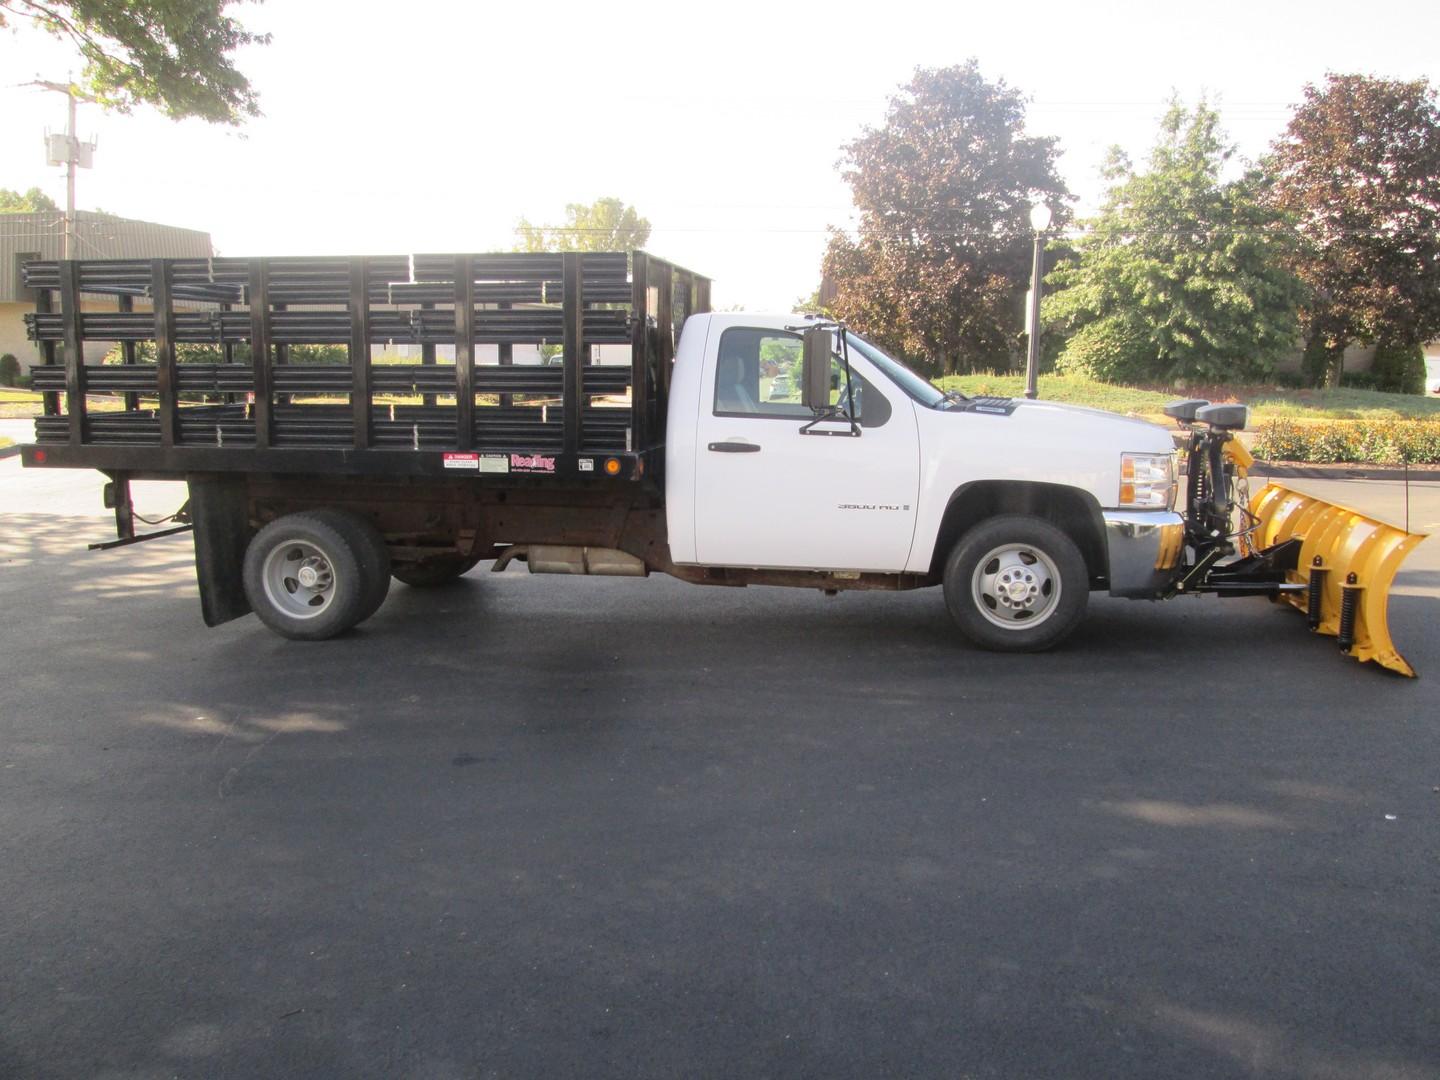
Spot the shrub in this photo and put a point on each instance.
(1318, 359)
(1399, 369)
(9, 370)
(1360, 380)
(1110, 349)
(1377, 442)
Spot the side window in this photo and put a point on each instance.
(759, 374)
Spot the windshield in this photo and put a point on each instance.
(917, 387)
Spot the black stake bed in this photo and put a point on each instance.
(169, 408)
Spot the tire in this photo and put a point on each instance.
(432, 572)
(377, 566)
(307, 575)
(1016, 584)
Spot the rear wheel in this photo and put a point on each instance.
(307, 575)
(1016, 584)
(377, 555)
(431, 572)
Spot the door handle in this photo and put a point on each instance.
(735, 447)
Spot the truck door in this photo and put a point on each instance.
(768, 495)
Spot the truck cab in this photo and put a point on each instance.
(895, 473)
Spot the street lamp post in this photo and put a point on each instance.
(1039, 221)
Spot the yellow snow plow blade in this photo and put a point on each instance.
(1347, 563)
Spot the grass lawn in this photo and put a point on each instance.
(1266, 402)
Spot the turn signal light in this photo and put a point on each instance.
(612, 466)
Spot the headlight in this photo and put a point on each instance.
(1147, 481)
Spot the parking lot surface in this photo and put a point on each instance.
(529, 826)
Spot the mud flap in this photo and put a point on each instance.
(222, 530)
(1347, 563)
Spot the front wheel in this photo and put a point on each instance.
(1016, 584)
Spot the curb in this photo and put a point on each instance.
(1420, 474)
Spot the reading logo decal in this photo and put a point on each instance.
(532, 463)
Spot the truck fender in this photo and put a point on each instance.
(1074, 510)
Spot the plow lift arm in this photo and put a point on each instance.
(1331, 562)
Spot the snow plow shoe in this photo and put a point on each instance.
(1347, 563)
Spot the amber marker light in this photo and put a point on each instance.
(612, 466)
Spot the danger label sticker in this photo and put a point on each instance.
(462, 461)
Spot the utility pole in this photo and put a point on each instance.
(72, 153)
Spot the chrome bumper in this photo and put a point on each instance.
(1145, 549)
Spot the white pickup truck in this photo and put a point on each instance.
(1020, 508)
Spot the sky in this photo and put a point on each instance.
(434, 126)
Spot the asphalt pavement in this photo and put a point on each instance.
(551, 827)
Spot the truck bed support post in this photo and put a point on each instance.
(464, 352)
(221, 519)
(574, 337)
(50, 401)
(360, 351)
(74, 350)
(126, 303)
(161, 277)
(506, 351)
(639, 348)
(260, 349)
(427, 358)
(665, 317)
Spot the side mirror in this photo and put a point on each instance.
(815, 385)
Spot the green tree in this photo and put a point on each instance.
(1359, 168)
(25, 202)
(941, 257)
(607, 224)
(176, 55)
(1178, 276)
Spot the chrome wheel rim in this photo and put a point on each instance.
(1016, 586)
(299, 579)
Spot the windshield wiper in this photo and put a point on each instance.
(955, 395)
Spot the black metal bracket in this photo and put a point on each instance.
(1262, 574)
(126, 541)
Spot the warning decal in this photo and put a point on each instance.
(532, 463)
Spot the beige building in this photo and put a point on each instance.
(24, 237)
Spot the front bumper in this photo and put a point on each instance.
(1145, 548)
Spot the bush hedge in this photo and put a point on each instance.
(1374, 442)
(1399, 369)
